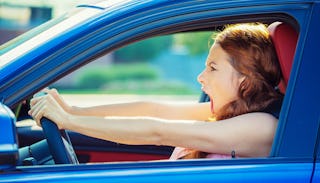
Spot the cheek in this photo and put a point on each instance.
(216, 86)
(234, 91)
(225, 87)
(220, 85)
(235, 83)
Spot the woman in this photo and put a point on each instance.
(240, 75)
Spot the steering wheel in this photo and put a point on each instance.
(59, 143)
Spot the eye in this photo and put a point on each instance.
(212, 68)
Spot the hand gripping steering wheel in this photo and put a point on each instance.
(59, 142)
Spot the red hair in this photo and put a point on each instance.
(254, 57)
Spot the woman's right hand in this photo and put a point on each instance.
(55, 94)
(49, 106)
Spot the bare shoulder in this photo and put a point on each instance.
(254, 122)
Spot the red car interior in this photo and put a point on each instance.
(284, 38)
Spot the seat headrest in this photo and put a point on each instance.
(284, 38)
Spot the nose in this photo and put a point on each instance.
(200, 77)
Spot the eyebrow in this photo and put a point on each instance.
(210, 62)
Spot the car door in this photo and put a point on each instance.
(314, 39)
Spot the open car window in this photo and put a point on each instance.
(160, 68)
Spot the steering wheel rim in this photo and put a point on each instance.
(59, 143)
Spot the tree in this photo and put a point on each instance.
(197, 43)
(143, 51)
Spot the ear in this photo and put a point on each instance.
(238, 79)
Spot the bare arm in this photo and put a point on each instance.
(249, 134)
(195, 111)
(244, 134)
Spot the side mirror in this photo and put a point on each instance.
(8, 139)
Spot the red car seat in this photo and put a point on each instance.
(284, 38)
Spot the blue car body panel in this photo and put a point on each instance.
(163, 171)
(112, 25)
(8, 140)
(302, 94)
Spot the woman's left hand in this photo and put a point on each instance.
(47, 106)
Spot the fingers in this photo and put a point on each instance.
(38, 96)
(55, 94)
(50, 106)
(37, 109)
(52, 91)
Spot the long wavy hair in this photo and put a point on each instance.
(253, 55)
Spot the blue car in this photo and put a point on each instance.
(40, 57)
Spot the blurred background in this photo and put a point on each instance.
(166, 65)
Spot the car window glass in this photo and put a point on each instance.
(164, 68)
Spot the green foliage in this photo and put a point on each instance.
(137, 78)
(99, 77)
(195, 42)
(148, 87)
(143, 50)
